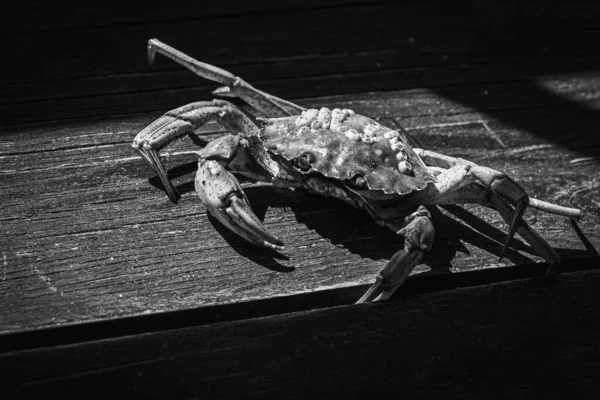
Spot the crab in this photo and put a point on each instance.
(333, 152)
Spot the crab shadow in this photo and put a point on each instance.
(261, 256)
(357, 232)
(354, 230)
(178, 175)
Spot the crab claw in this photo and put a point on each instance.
(222, 194)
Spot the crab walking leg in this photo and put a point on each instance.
(181, 121)
(441, 162)
(498, 182)
(476, 193)
(418, 232)
(265, 103)
(222, 195)
(571, 213)
(293, 108)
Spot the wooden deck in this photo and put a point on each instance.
(104, 279)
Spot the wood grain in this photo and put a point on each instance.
(86, 235)
(93, 62)
(524, 339)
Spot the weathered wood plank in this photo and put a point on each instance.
(86, 236)
(29, 16)
(392, 46)
(524, 339)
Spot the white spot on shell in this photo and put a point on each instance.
(337, 114)
(342, 129)
(400, 156)
(353, 135)
(315, 125)
(370, 129)
(368, 140)
(396, 144)
(404, 167)
(307, 117)
(324, 114)
(348, 111)
(311, 114)
(214, 168)
(303, 130)
(391, 134)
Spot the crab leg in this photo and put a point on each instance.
(498, 182)
(417, 230)
(235, 86)
(217, 189)
(456, 186)
(179, 122)
(442, 162)
(291, 108)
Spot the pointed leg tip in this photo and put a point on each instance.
(551, 270)
(373, 292)
(173, 195)
(275, 244)
(151, 51)
(241, 213)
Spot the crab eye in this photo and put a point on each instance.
(304, 160)
(359, 181)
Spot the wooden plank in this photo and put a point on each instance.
(524, 339)
(156, 93)
(87, 236)
(29, 16)
(94, 71)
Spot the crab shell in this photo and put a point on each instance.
(346, 147)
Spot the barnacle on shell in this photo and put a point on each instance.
(391, 134)
(370, 129)
(303, 130)
(388, 166)
(324, 115)
(306, 117)
(353, 135)
(368, 140)
(396, 144)
(404, 167)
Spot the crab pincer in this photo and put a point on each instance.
(223, 196)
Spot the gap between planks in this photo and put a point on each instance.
(163, 321)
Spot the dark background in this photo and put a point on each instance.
(87, 60)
